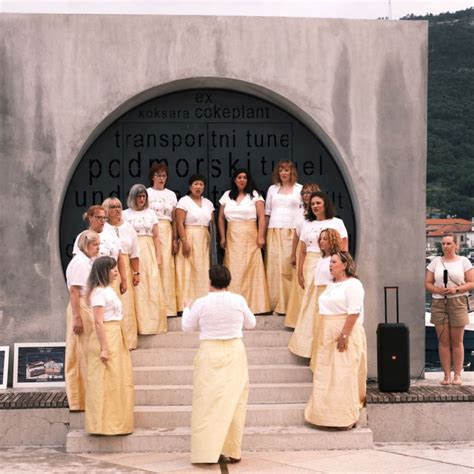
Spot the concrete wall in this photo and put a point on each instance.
(360, 85)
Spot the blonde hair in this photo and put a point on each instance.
(284, 164)
(86, 238)
(334, 239)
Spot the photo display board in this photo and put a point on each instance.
(208, 131)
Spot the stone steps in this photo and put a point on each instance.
(269, 321)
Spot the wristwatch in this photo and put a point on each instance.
(136, 273)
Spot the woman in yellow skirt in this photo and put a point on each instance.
(320, 215)
(163, 201)
(296, 292)
(339, 378)
(110, 390)
(243, 209)
(221, 379)
(281, 207)
(149, 295)
(193, 215)
(130, 253)
(79, 320)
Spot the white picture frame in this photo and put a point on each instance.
(39, 364)
(4, 360)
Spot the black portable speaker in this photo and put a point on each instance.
(393, 352)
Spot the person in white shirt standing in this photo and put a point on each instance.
(281, 206)
(221, 379)
(339, 378)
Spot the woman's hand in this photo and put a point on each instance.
(188, 302)
(222, 243)
(185, 248)
(342, 342)
(158, 259)
(136, 280)
(104, 355)
(448, 291)
(78, 326)
(301, 280)
(260, 242)
(174, 247)
(293, 260)
(123, 287)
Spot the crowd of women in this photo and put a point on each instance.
(133, 269)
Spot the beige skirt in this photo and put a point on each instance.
(149, 299)
(244, 259)
(129, 321)
(316, 327)
(296, 295)
(110, 390)
(278, 267)
(76, 356)
(167, 268)
(220, 392)
(339, 379)
(192, 273)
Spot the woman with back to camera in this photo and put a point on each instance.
(281, 206)
(243, 208)
(79, 319)
(130, 252)
(221, 378)
(149, 297)
(163, 201)
(110, 390)
(296, 292)
(194, 214)
(320, 215)
(340, 367)
(450, 278)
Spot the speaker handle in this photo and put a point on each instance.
(385, 288)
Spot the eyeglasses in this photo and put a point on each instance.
(115, 206)
(141, 195)
(303, 193)
(100, 218)
(160, 176)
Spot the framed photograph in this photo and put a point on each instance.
(39, 364)
(4, 359)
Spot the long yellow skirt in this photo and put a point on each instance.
(129, 321)
(220, 392)
(316, 328)
(296, 295)
(192, 273)
(278, 267)
(149, 298)
(167, 268)
(76, 356)
(301, 341)
(244, 259)
(110, 390)
(339, 379)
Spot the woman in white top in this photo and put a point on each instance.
(339, 378)
(221, 378)
(110, 390)
(243, 209)
(79, 321)
(281, 207)
(450, 278)
(130, 252)
(296, 292)
(320, 215)
(193, 216)
(163, 201)
(149, 296)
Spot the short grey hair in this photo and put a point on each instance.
(135, 190)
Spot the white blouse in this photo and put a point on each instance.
(107, 298)
(142, 221)
(163, 202)
(456, 274)
(322, 275)
(299, 220)
(282, 208)
(312, 230)
(218, 315)
(78, 270)
(127, 237)
(109, 243)
(245, 210)
(196, 215)
(345, 297)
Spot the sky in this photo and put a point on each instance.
(368, 9)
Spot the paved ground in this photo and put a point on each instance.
(386, 458)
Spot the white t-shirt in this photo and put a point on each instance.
(196, 215)
(109, 243)
(299, 220)
(162, 202)
(282, 208)
(107, 298)
(78, 270)
(218, 315)
(312, 229)
(127, 237)
(456, 274)
(245, 210)
(322, 275)
(142, 221)
(345, 297)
